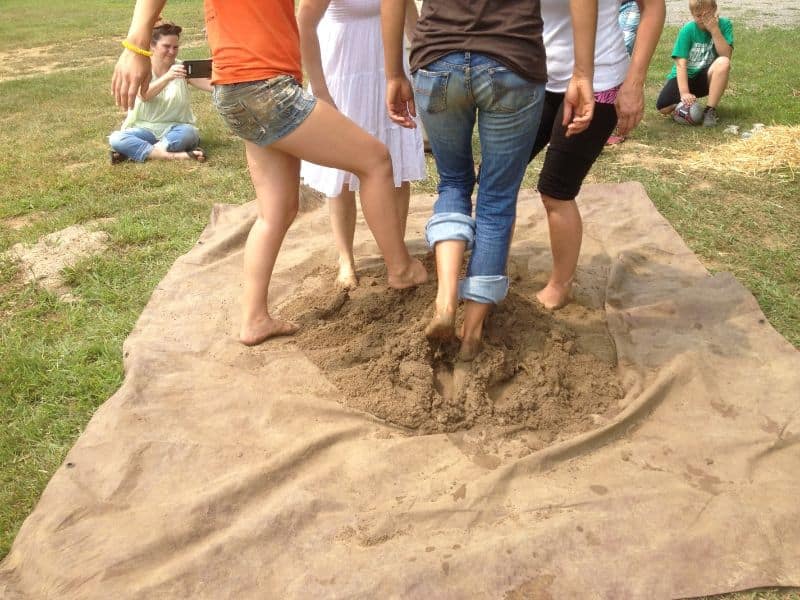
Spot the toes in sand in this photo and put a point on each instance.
(552, 298)
(256, 333)
(470, 348)
(347, 278)
(441, 327)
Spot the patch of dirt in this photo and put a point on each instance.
(536, 370)
(44, 261)
(22, 221)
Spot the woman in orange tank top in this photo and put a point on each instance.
(256, 51)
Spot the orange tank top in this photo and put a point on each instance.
(252, 40)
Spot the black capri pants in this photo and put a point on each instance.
(569, 159)
(670, 94)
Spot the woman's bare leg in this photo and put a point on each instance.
(276, 178)
(475, 314)
(328, 138)
(449, 258)
(566, 233)
(343, 224)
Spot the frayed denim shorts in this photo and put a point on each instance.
(263, 111)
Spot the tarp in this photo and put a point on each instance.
(220, 471)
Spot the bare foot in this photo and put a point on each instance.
(470, 348)
(347, 278)
(415, 274)
(554, 296)
(255, 333)
(442, 326)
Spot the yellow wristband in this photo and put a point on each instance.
(135, 49)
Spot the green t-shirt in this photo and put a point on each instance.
(170, 107)
(697, 46)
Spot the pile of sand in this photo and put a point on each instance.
(537, 371)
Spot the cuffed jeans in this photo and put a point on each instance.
(137, 143)
(450, 94)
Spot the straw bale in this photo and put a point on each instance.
(774, 150)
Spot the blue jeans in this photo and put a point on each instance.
(450, 93)
(137, 142)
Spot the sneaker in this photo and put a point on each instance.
(710, 118)
(116, 157)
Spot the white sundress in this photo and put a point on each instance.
(352, 61)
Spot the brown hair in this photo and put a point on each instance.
(699, 6)
(163, 28)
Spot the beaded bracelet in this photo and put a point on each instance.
(135, 49)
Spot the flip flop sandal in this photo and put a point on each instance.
(614, 140)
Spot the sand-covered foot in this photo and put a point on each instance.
(442, 326)
(347, 278)
(413, 275)
(255, 333)
(553, 297)
(470, 348)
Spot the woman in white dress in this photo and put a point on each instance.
(342, 50)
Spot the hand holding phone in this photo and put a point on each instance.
(197, 69)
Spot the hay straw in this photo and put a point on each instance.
(774, 150)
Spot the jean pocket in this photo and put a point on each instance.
(430, 90)
(510, 92)
(238, 118)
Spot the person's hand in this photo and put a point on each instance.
(131, 75)
(710, 21)
(578, 105)
(176, 71)
(630, 107)
(688, 99)
(400, 101)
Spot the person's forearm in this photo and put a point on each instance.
(650, 28)
(721, 45)
(145, 14)
(201, 83)
(392, 18)
(308, 17)
(411, 19)
(683, 78)
(156, 87)
(584, 30)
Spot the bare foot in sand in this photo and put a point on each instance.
(554, 296)
(415, 274)
(442, 326)
(470, 348)
(252, 334)
(347, 278)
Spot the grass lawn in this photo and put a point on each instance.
(59, 361)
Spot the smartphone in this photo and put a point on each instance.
(196, 69)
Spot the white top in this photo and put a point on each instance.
(352, 60)
(610, 57)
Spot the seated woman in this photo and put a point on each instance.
(161, 123)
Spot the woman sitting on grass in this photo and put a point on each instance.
(160, 126)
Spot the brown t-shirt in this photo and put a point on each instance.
(510, 31)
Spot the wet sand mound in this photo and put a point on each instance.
(539, 371)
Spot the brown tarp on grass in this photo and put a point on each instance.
(218, 471)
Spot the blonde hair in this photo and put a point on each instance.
(699, 6)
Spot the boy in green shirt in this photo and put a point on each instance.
(702, 55)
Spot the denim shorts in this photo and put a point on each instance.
(263, 111)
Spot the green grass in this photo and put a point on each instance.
(59, 361)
